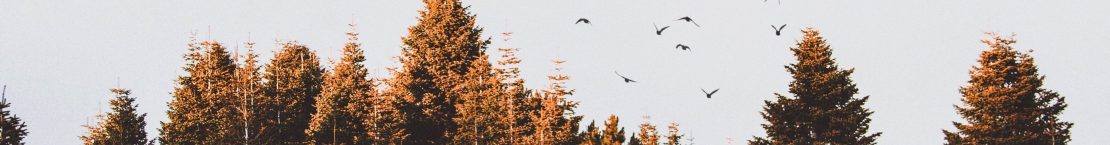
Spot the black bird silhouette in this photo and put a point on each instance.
(780, 1)
(688, 19)
(710, 94)
(778, 31)
(626, 79)
(681, 46)
(659, 31)
(583, 20)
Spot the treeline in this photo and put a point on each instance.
(447, 91)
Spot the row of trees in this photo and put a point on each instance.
(448, 92)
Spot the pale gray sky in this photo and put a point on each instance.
(59, 58)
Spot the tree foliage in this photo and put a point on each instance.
(437, 57)
(204, 106)
(122, 126)
(12, 129)
(293, 81)
(338, 115)
(1004, 102)
(823, 109)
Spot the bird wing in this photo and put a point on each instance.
(703, 91)
(664, 28)
(715, 91)
(783, 26)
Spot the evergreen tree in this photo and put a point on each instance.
(613, 134)
(481, 107)
(823, 109)
(384, 121)
(122, 126)
(1005, 104)
(293, 81)
(648, 134)
(255, 108)
(634, 140)
(553, 120)
(517, 106)
(204, 106)
(436, 57)
(592, 135)
(12, 129)
(673, 137)
(336, 120)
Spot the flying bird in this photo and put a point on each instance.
(778, 31)
(626, 79)
(583, 20)
(688, 19)
(659, 31)
(682, 46)
(710, 94)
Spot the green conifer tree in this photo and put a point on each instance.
(122, 126)
(1004, 102)
(823, 109)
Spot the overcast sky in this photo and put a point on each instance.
(59, 58)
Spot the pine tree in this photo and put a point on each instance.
(592, 135)
(293, 81)
(384, 121)
(517, 106)
(481, 107)
(634, 140)
(1005, 104)
(336, 120)
(648, 134)
(12, 129)
(436, 57)
(122, 126)
(204, 106)
(673, 137)
(613, 134)
(255, 109)
(823, 109)
(553, 119)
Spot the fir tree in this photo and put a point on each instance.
(648, 134)
(255, 109)
(436, 57)
(553, 120)
(336, 120)
(823, 109)
(634, 140)
(592, 135)
(293, 81)
(613, 134)
(517, 105)
(204, 106)
(481, 107)
(673, 137)
(122, 126)
(12, 129)
(1005, 104)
